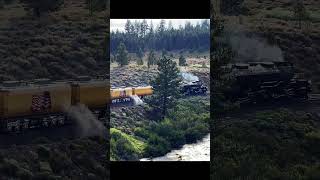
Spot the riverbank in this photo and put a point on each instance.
(199, 151)
(185, 124)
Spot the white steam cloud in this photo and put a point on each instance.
(249, 47)
(188, 77)
(87, 122)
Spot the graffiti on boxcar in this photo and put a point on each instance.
(41, 102)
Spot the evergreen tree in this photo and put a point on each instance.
(127, 27)
(140, 34)
(144, 27)
(166, 87)
(151, 58)
(162, 26)
(182, 61)
(151, 28)
(122, 55)
(140, 56)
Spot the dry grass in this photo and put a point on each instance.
(59, 45)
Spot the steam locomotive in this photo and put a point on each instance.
(44, 103)
(193, 88)
(255, 82)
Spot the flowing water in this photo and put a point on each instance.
(199, 151)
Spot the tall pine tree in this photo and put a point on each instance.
(182, 61)
(151, 58)
(166, 87)
(140, 56)
(122, 55)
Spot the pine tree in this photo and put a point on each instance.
(122, 55)
(141, 34)
(140, 56)
(182, 61)
(151, 58)
(162, 26)
(166, 87)
(127, 27)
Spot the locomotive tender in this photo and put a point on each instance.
(254, 82)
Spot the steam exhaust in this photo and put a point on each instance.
(136, 100)
(88, 124)
(188, 77)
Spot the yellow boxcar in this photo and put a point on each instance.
(34, 99)
(143, 91)
(118, 93)
(94, 94)
(115, 93)
(121, 93)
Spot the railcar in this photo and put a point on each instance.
(126, 95)
(44, 103)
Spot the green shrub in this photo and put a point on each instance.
(142, 133)
(125, 147)
(157, 146)
(195, 133)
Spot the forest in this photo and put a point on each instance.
(143, 35)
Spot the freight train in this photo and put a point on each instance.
(125, 95)
(44, 103)
(255, 82)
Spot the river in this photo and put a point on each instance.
(199, 151)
